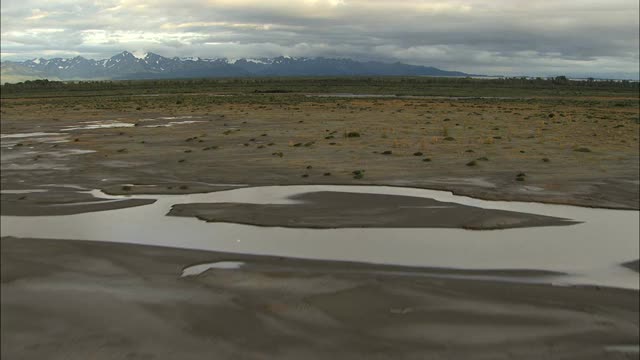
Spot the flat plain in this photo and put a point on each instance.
(492, 139)
(560, 142)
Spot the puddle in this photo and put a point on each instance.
(532, 188)
(76, 187)
(122, 164)
(170, 118)
(28, 191)
(38, 166)
(99, 125)
(27, 135)
(589, 253)
(629, 349)
(67, 152)
(176, 117)
(9, 141)
(47, 160)
(173, 123)
(200, 268)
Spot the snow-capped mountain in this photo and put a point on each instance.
(153, 66)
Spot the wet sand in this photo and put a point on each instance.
(329, 209)
(78, 300)
(61, 202)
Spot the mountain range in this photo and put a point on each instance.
(153, 66)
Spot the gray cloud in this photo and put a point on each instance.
(536, 37)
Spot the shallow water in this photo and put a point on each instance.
(27, 135)
(25, 191)
(200, 268)
(590, 252)
(48, 160)
(628, 349)
(99, 125)
(11, 140)
(174, 123)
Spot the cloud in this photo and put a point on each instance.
(537, 37)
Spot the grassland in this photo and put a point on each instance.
(567, 142)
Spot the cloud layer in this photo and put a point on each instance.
(512, 37)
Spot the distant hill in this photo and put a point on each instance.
(153, 66)
(11, 72)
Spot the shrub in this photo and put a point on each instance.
(358, 174)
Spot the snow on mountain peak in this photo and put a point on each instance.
(148, 64)
(143, 56)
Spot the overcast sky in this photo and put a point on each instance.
(511, 37)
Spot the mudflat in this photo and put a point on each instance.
(76, 299)
(332, 209)
(60, 201)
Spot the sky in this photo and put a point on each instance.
(496, 37)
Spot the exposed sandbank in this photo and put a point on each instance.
(330, 209)
(73, 299)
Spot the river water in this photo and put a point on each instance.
(589, 253)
